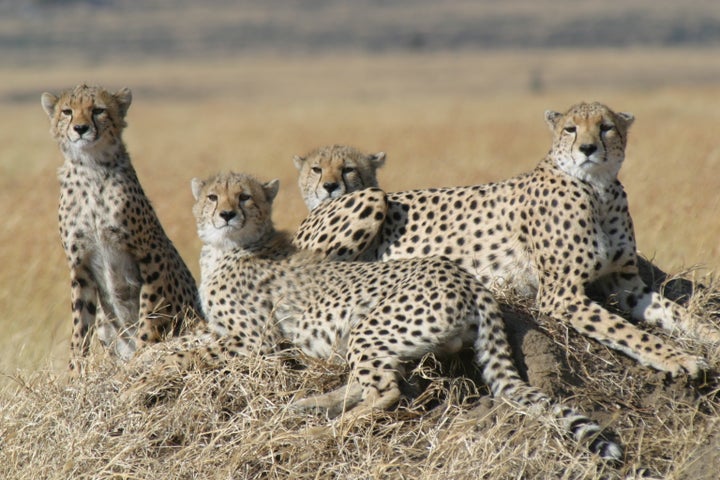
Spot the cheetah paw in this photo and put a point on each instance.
(693, 365)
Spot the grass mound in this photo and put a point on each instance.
(234, 421)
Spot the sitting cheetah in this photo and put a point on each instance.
(257, 293)
(120, 259)
(329, 172)
(548, 234)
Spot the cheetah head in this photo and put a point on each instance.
(85, 118)
(589, 141)
(233, 210)
(329, 172)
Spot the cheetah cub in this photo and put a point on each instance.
(328, 173)
(332, 171)
(256, 294)
(546, 234)
(127, 279)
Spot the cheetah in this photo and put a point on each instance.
(331, 171)
(547, 234)
(258, 293)
(128, 281)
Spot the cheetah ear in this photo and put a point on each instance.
(271, 189)
(48, 101)
(378, 160)
(196, 185)
(552, 117)
(626, 118)
(124, 99)
(298, 161)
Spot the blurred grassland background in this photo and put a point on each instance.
(453, 91)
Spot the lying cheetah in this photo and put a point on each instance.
(256, 294)
(548, 234)
(332, 171)
(120, 259)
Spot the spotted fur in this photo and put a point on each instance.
(546, 234)
(127, 279)
(331, 171)
(257, 293)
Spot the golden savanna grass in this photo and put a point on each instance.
(443, 120)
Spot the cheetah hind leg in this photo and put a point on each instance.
(493, 356)
(377, 389)
(349, 405)
(334, 402)
(344, 404)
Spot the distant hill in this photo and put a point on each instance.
(40, 30)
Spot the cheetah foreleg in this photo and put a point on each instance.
(121, 303)
(155, 318)
(592, 320)
(161, 367)
(84, 302)
(651, 307)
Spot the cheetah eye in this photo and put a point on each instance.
(212, 197)
(570, 129)
(98, 111)
(317, 170)
(606, 127)
(244, 197)
(67, 111)
(348, 170)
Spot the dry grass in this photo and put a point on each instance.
(233, 422)
(444, 119)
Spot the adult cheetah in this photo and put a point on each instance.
(127, 279)
(548, 234)
(257, 293)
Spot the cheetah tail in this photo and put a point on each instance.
(499, 372)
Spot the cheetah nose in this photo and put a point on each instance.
(330, 186)
(588, 149)
(227, 215)
(81, 129)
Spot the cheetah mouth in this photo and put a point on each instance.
(323, 194)
(228, 225)
(83, 140)
(589, 162)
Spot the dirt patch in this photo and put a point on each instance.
(704, 462)
(539, 359)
